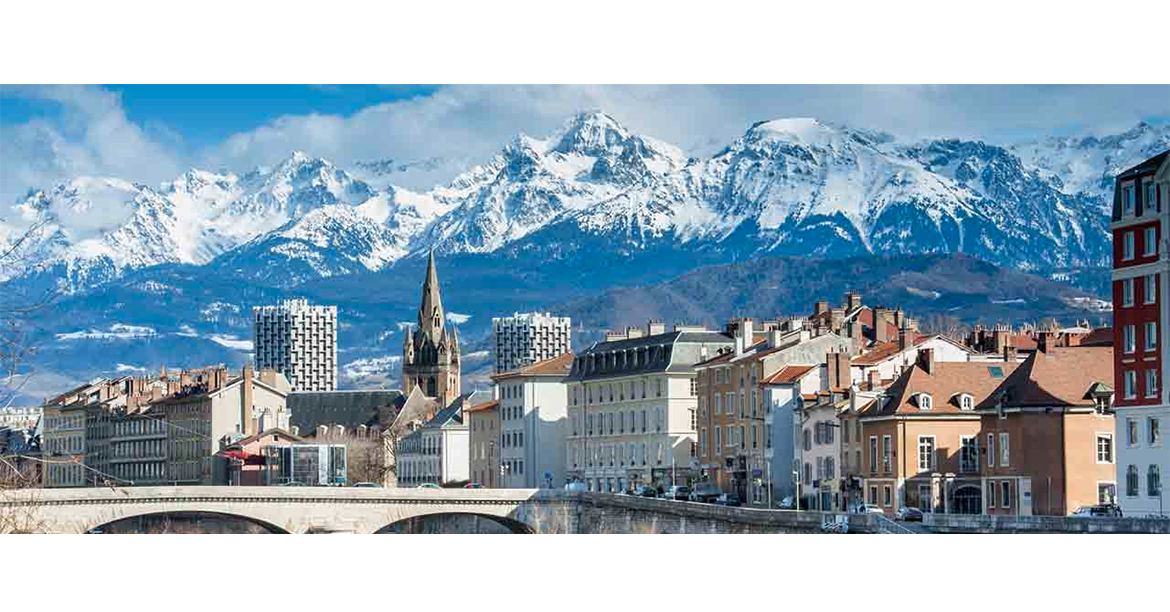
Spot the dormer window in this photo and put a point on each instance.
(965, 400)
(924, 401)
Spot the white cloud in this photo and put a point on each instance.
(91, 135)
(458, 318)
(473, 122)
(231, 342)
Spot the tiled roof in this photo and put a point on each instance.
(492, 405)
(1148, 165)
(884, 351)
(948, 380)
(1102, 336)
(788, 374)
(1060, 377)
(554, 366)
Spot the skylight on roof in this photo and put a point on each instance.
(995, 371)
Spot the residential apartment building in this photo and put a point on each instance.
(200, 417)
(632, 407)
(781, 395)
(20, 417)
(533, 415)
(1048, 433)
(819, 448)
(483, 423)
(299, 341)
(732, 419)
(526, 338)
(439, 451)
(1141, 271)
(922, 434)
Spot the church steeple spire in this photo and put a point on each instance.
(430, 312)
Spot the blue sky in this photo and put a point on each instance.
(152, 133)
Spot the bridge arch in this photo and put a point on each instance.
(170, 521)
(460, 522)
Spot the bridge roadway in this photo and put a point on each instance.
(373, 510)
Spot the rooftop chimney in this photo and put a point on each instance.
(633, 332)
(852, 301)
(838, 369)
(926, 360)
(820, 307)
(903, 337)
(874, 377)
(655, 327)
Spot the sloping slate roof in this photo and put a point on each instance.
(1060, 377)
(884, 351)
(948, 380)
(682, 349)
(349, 408)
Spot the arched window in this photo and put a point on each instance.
(924, 401)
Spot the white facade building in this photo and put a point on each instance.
(299, 341)
(526, 338)
(439, 452)
(533, 409)
(633, 407)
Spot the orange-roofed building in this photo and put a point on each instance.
(1048, 434)
(532, 407)
(921, 436)
(483, 421)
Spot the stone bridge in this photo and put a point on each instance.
(394, 510)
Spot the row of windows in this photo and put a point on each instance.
(1129, 193)
(1150, 380)
(619, 454)
(826, 470)
(1129, 337)
(618, 392)
(1004, 497)
(69, 421)
(512, 391)
(619, 425)
(1149, 290)
(1153, 432)
(1153, 481)
(1149, 243)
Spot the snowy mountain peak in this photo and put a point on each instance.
(591, 133)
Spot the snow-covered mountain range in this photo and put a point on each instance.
(787, 186)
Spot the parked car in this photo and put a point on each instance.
(367, 485)
(646, 491)
(867, 509)
(705, 493)
(909, 514)
(429, 485)
(680, 493)
(1099, 511)
(473, 485)
(788, 503)
(727, 499)
(293, 483)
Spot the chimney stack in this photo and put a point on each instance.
(820, 307)
(246, 409)
(874, 378)
(852, 301)
(903, 337)
(1009, 353)
(655, 327)
(926, 360)
(838, 364)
